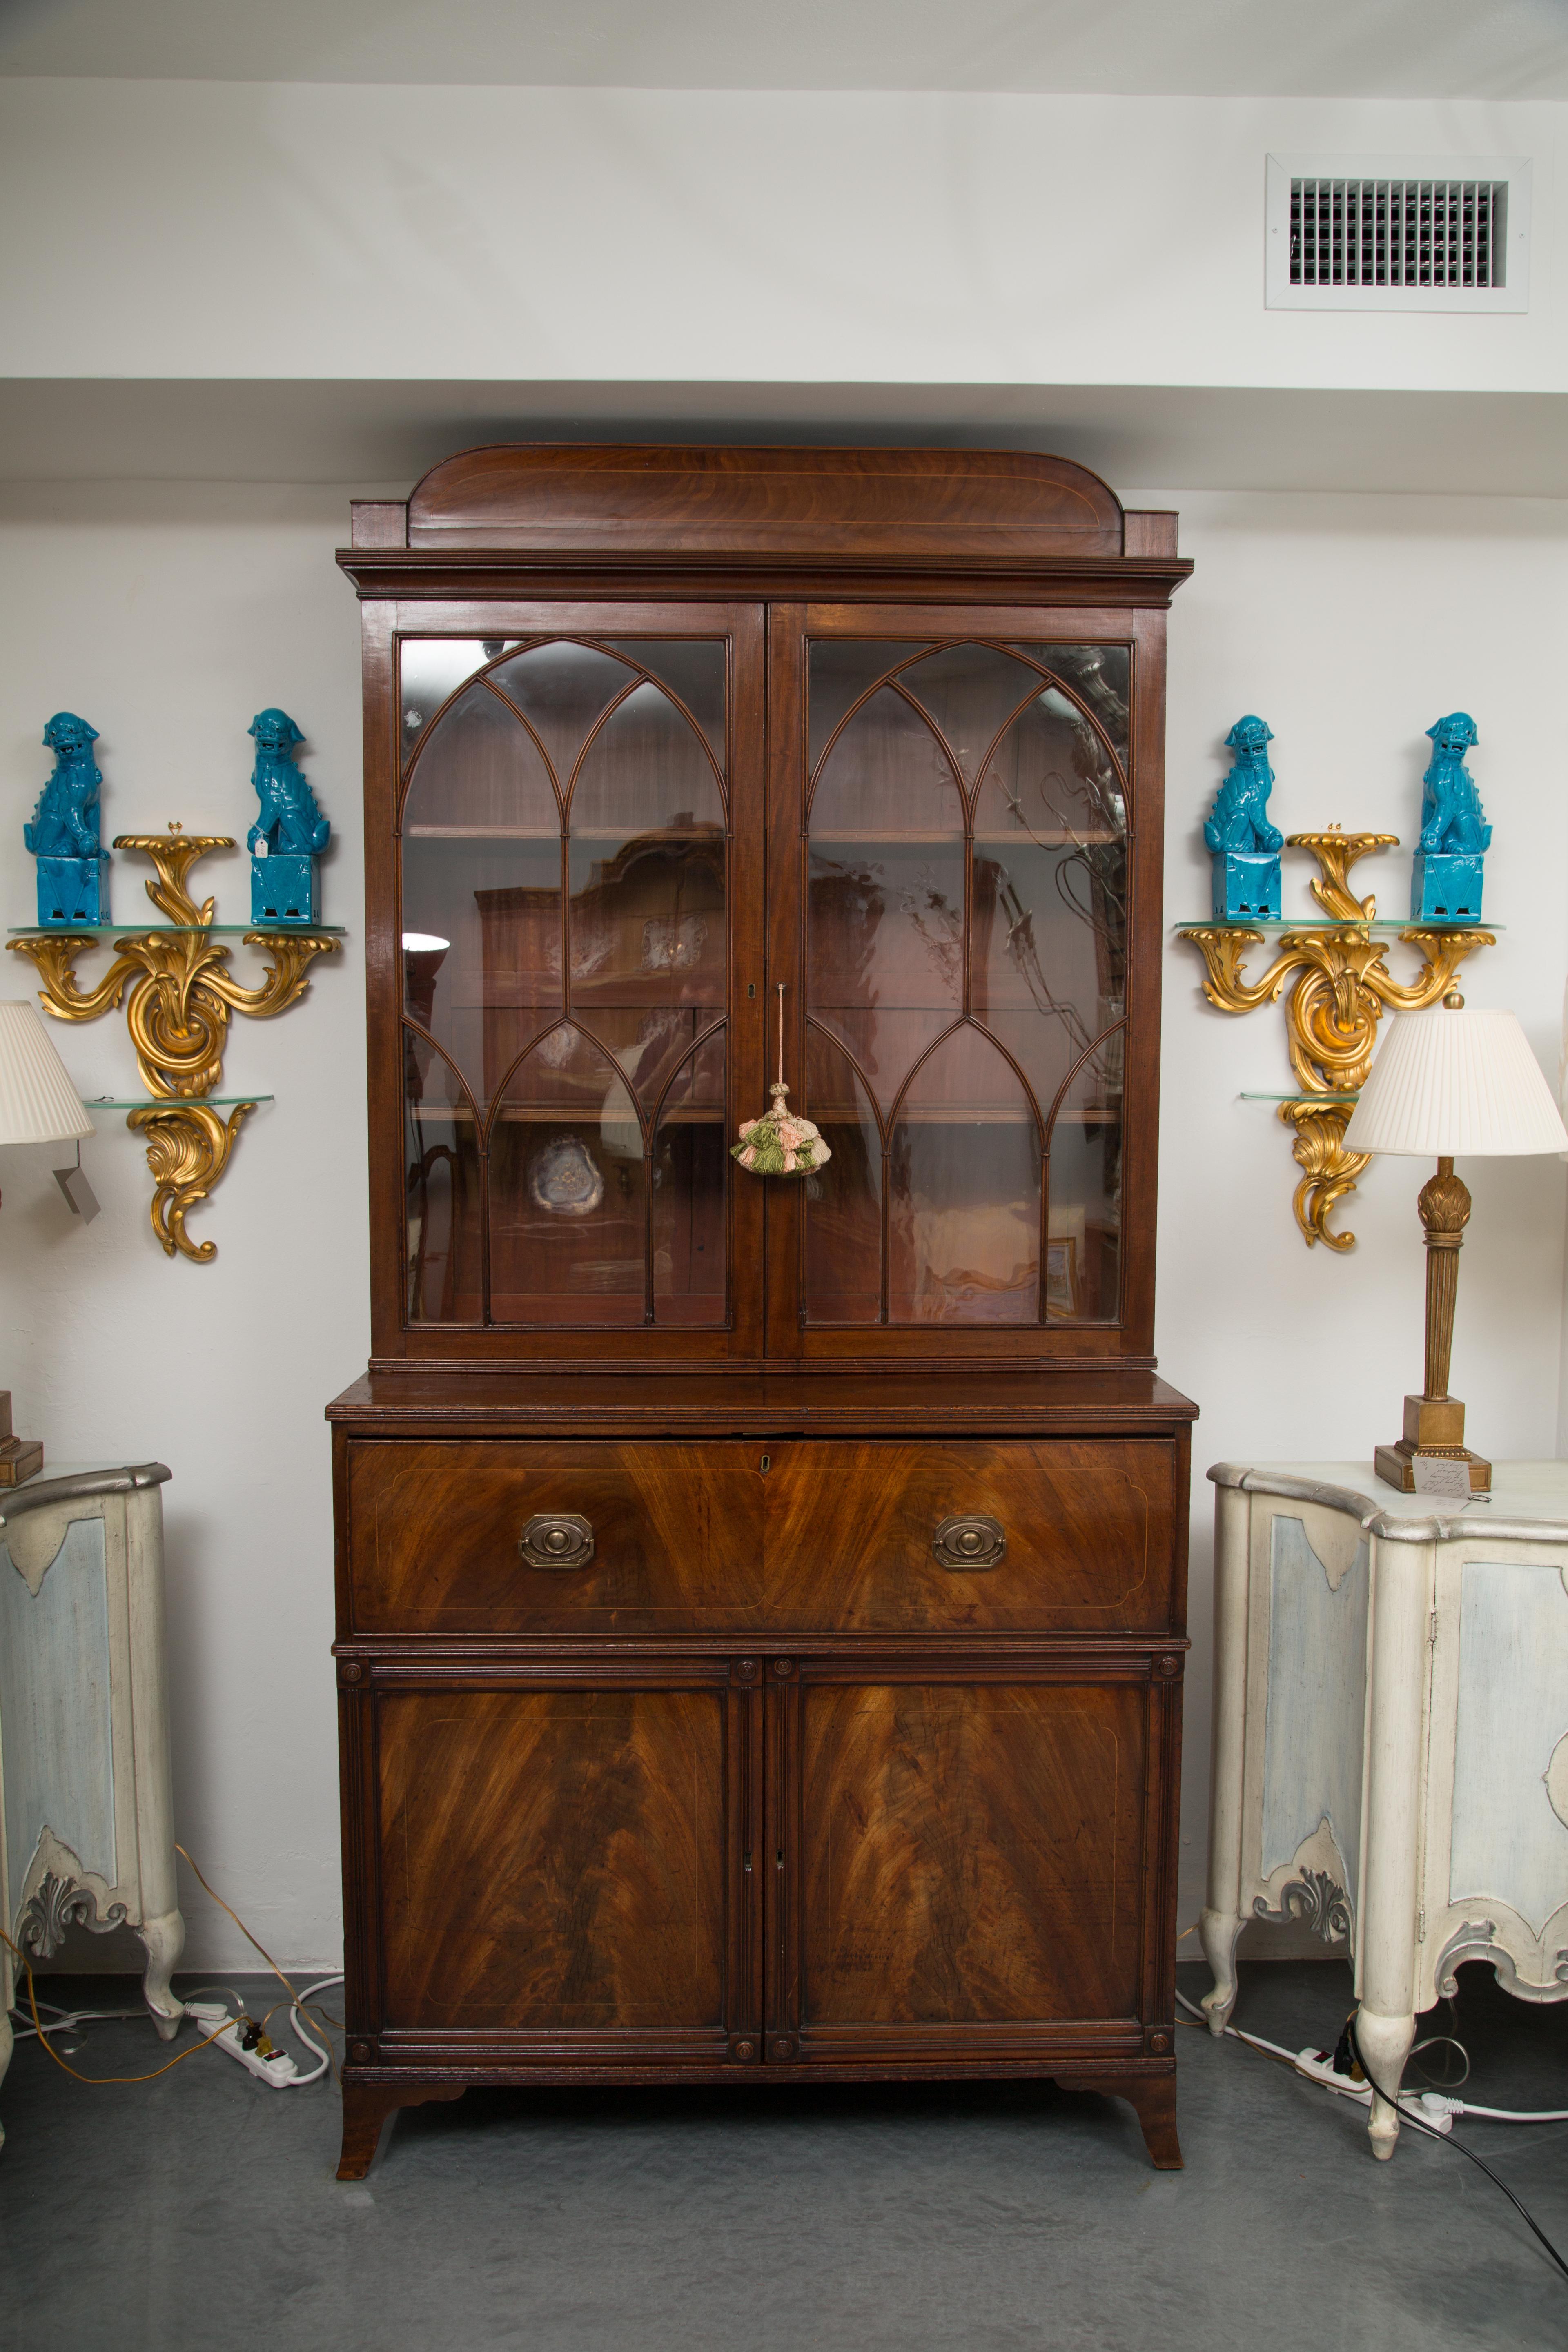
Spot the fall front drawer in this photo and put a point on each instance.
(498, 1536)
(494, 1536)
(1059, 1535)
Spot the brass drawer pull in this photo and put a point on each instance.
(557, 1539)
(970, 1541)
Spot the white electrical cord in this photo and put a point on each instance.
(317, 2050)
(191, 1990)
(1509, 2114)
(1435, 2100)
(63, 2021)
(1235, 2033)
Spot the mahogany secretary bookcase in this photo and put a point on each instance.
(761, 1601)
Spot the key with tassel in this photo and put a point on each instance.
(780, 1143)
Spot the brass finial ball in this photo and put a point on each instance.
(1454, 1000)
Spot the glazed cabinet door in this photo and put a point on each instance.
(964, 811)
(562, 1864)
(570, 816)
(967, 1857)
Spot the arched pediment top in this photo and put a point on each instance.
(665, 500)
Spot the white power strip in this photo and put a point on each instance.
(278, 2070)
(1428, 2107)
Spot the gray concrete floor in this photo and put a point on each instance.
(200, 2211)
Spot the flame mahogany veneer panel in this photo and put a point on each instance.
(1089, 1522)
(970, 1854)
(678, 1533)
(553, 1859)
(744, 501)
(834, 1538)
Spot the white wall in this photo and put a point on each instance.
(167, 615)
(1350, 624)
(167, 620)
(257, 230)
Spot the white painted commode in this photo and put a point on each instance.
(1391, 1735)
(86, 1814)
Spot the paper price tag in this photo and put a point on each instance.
(1435, 1475)
(83, 1200)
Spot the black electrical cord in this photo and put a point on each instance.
(1447, 2139)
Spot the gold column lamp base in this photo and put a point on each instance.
(1340, 986)
(181, 997)
(1435, 1422)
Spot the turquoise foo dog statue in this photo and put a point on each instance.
(73, 866)
(1446, 878)
(1245, 846)
(289, 830)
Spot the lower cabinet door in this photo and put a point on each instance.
(565, 1865)
(967, 1865)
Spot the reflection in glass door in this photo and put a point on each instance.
(565, 881)
(967, 980)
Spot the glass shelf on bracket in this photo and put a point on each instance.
(1331, 923)
(166, 1102)
(1246, 1095)
(140, 931)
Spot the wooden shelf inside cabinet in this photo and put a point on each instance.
(566, 1114)
(656, 836)
(1018, 837)
(689, 1514)
(563, 1114)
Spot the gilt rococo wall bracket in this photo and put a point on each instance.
(1339, 985)
(181, 999)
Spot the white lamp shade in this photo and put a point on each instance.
(1449, 1082)
(39, 1103)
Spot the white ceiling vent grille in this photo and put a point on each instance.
(1398, 233)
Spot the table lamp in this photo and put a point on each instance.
(1445, 1083)
(39, 1104)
